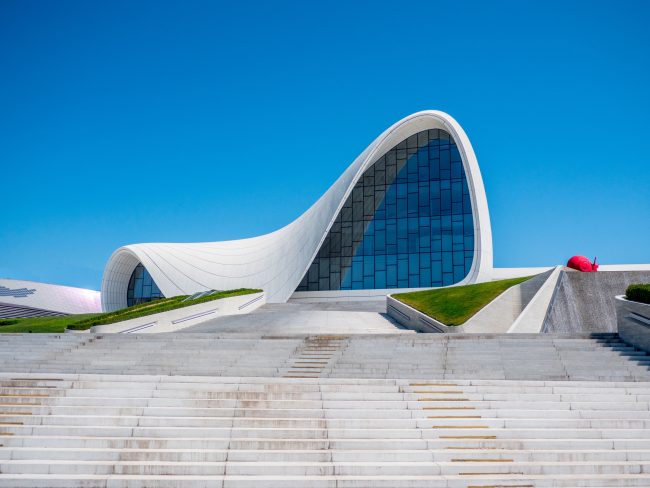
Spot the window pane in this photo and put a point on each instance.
(142, 287)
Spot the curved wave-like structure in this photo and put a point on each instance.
(19, 298)
(278, 261)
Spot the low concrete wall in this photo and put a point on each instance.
(584, 302)
(413, 319)
(633, 320)
(531, 319)
(181, 318)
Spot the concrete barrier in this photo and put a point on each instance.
(181, 318)
(584, 302)
(411, 318)
(531, 319)
(633, 321)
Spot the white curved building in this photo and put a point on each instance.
(409, 212)
(20, 298)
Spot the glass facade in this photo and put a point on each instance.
(142, 287)
(407, 223)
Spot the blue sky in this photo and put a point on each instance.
(125, 122)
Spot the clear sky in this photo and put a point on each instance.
(126, 122)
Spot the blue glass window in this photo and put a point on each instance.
(407, 222)
(142, 288)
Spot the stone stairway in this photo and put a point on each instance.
(314, 356)
(486, 356)
(400, 410)
(145, 431)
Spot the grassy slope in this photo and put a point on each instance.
(455, 305)
(85, 321)
(43, 324)
(157, 306)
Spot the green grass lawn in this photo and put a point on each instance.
(457, 304)
(49, 325)
(86, 321)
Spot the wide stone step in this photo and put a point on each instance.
(332, 433)
(465, 465)
(486, 442)
(141, 481)
(28, 411)
(289, 407)
(312, 456)
(304, 400)
(439, 422)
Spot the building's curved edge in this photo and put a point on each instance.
(48, 298)
(482, 263)
(276, 262)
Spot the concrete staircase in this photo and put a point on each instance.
(194, 410)
(486, 356)
(144, 431)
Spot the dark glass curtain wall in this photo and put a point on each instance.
(407, 223)
(142, 288)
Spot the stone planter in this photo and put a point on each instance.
(633, 321)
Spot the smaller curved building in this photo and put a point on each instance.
(20, 299)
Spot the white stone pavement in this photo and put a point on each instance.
(308, 318)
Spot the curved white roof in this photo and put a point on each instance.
(32, 296)
(276, 262)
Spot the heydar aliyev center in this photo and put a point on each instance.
(409, 212)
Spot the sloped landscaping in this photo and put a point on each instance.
(456, 304)
(86, 321)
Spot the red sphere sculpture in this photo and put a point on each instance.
(581, 263)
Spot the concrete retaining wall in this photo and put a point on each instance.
(500, 314)
(531, 318)
(633, 320)
(584, 302)
(181, 318)
(413, 319)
